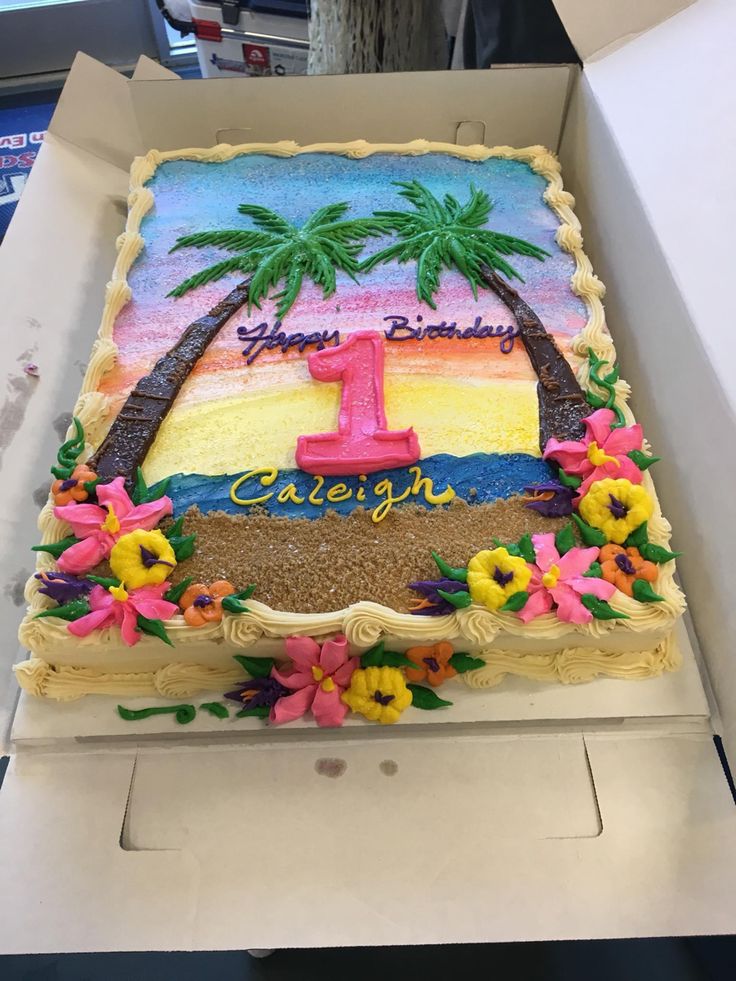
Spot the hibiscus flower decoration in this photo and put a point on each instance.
(494, 576)
(616, 507)
(432, 663)
(602, 452)
(101, 525)
(73, 489)
(379, 694)
(203, 604)
(623, 566)
(561, 581)
(316, 680)
(117, 606)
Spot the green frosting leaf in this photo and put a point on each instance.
(526, 548)
(373, 657)
(642, 461)
(69, 611)
(256, 667)
(569, 479)
(595, 571)
(174, 594)
(176, 529)
(182, 713)
(638, 537)
(655, 553)
(644, 593)
(183, 545)
(57, 548)
(600, 608)
(259, 711)
(595, 400)
(425, 698)
(233, 603)
(565, 539)
(143, 494)
(516, 601)
(153, 627)
(378, 657)
(459, 573)
(217, 709)
(463, 662)
(458, 600)
(590, 535)
(105, 581)
(395, 659)
(140, 490)
(91, 485)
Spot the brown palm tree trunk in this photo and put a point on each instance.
(135, 427)
(562, 405)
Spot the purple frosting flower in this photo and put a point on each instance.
(63, 587)
(432, 604)
(258, 691)
(550, 499)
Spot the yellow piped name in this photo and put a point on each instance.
(326, 493)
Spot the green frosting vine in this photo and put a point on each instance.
(69, 452)
(607, 383)
(183, 714)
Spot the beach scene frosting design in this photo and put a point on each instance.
(456, 374)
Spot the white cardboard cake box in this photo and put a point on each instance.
(573, 812)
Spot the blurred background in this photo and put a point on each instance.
(229, 38)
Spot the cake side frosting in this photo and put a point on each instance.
(365, 623)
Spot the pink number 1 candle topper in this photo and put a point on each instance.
(362, 443)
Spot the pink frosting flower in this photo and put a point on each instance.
(561, 580)
(317, 679)
(99, 527)
(118, 606)
(601, 453)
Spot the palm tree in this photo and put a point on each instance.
(274, 251)
(444, 234)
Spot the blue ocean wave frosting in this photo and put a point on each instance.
(478, 478)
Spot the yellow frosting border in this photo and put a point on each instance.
(364, 623)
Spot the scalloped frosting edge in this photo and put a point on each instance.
(368, 622)
(571, 665)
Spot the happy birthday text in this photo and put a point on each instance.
(265, 337)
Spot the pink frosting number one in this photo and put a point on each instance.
(362, 443)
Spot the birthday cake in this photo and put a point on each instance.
(352, 434)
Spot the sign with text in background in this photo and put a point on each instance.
(21, 133)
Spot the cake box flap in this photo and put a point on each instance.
(511, 106)
(95, 113)
(597, 28)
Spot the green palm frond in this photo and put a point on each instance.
(234, 240)
(266, 219)
(448, 234)
(325, 216)
(217, 271)
(277, 251)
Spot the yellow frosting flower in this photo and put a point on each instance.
(617, 507)
(494, 575)
(380, 694)
(142, 558)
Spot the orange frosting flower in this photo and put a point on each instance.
(623, 566)
(73, 489)
(432, 663)
(203, 604)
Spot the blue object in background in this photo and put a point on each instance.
(21, 132)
